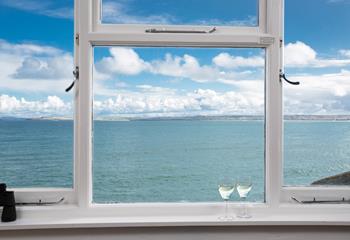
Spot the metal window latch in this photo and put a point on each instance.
(40, 203)
(314, 201)
(283, 76)
(154, 30)
(76, 77)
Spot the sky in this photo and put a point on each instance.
(36, 61)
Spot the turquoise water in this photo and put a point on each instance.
(162, 161)
(175, 160)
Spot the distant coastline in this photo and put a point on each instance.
(189, 118)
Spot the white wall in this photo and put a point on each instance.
(193, 233)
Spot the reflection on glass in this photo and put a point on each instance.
(217, 13)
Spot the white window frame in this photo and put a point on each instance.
(278, 209)
(93, 33)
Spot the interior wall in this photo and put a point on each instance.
(193, 233)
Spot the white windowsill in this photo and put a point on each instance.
(176, 215)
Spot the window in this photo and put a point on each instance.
(169, 123)
(140, 154)
(36, 115)
(317, 112)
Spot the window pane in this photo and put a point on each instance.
(170, 123)
(180, 12)
(317, 126)
(36, 61)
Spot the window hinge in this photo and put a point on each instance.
(281, 43)
(76, 78)
(77, 38)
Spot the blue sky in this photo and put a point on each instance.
(36, 60)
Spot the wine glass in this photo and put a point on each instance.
(244, 185)
(226, 188)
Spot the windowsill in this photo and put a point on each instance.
(175, 215)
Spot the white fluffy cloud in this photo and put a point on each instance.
(122, 12)
(23, 65)
(27, 49)
(53, 67)
(345, 52)
(226, 60)
(50, 8)
(319, 94)
(184, 67)
(126, 61)
(123, 61)
(299, 54)
(52, 106)
(116, 12)
(34, 68)
(172, 103)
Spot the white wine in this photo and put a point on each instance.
(243, 190)
(226, 191)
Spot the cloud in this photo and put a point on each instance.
(300, 55)
(45, 68)
(319, 94)
(226, 60)
(30, 68)
(249, 21)
(186, 66)
(57, 9)
(116, 12)
(125, 61)
(345, 52)
(22, 66)
(167, 102)
(155, 89)
(121, 12)
(122, 61)
(27, 49)
(52, 106)
(338, 1)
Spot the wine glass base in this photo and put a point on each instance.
(245, 216)
(226, 218)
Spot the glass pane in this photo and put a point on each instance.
(317, 113)
(170, 123)
(181, 12)
(36, 62)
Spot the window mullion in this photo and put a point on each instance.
(84, 110)
(273, 106)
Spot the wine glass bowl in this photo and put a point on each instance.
(226, 189)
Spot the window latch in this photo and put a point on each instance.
(154, 30)
(76, 77)
(314, 201)
(40, 203)
(283, 76)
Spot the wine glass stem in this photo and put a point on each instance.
(226, 208)
(244, 210)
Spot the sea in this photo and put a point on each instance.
(170, 160)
